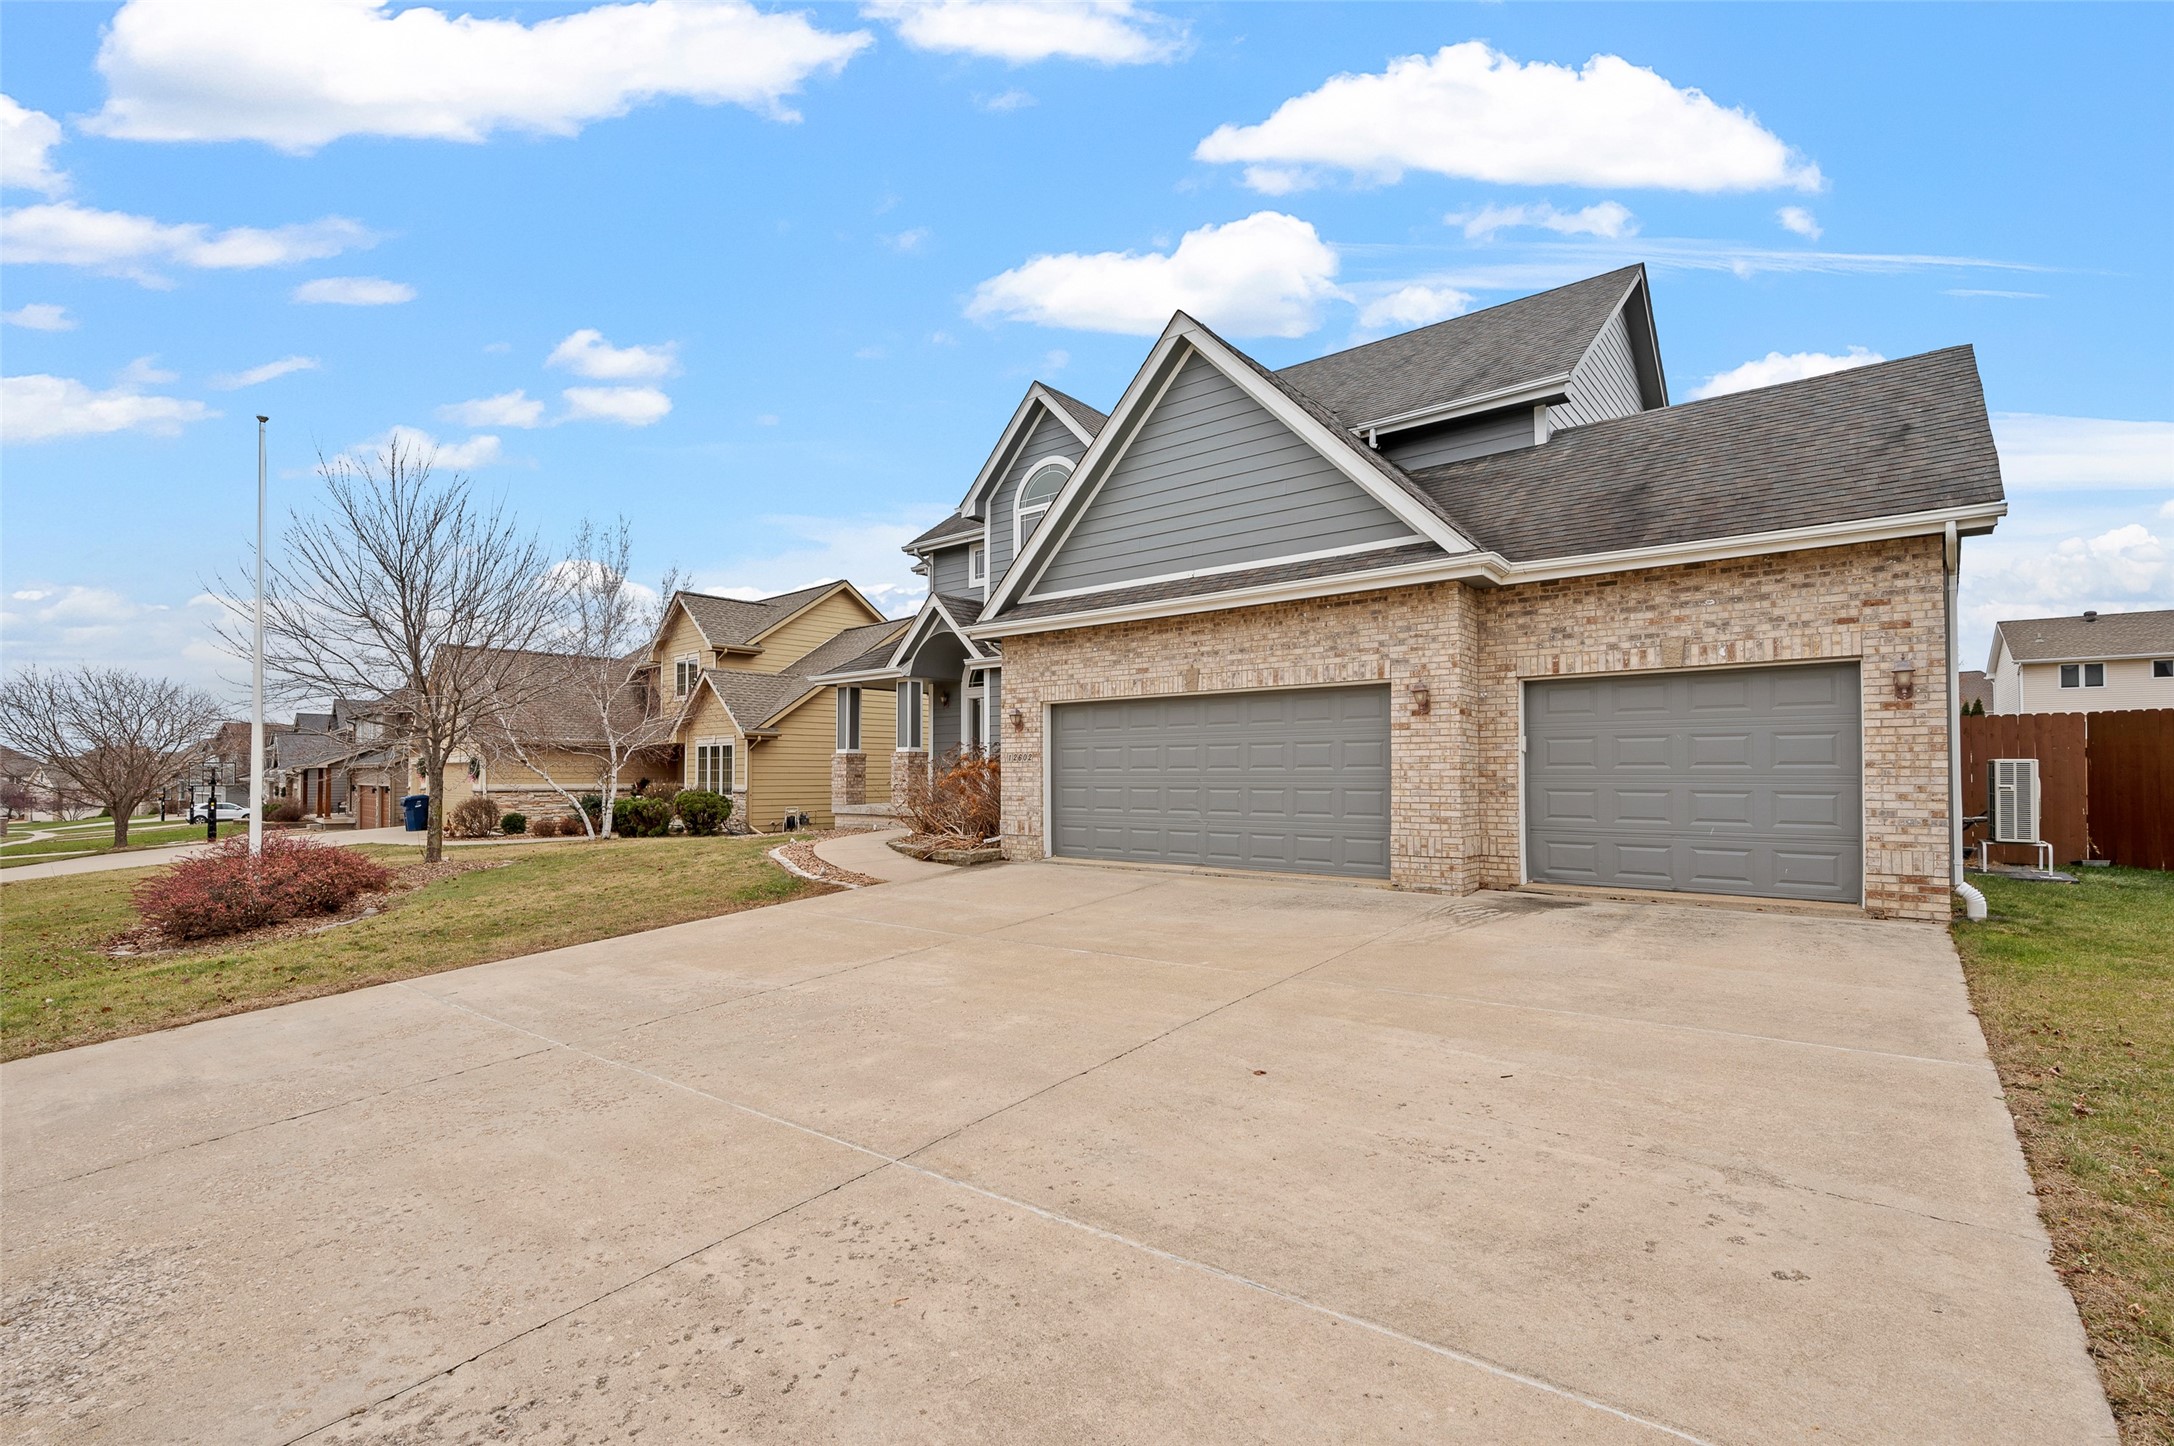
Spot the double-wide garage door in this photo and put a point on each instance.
(1287, 781)
(1736, 781)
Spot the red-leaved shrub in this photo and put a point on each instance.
(226, 891)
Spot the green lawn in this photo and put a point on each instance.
(86, 838)
(2074, 985)
(59, 988)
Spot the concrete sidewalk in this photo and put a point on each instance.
(1062, 1154)
(173, 853)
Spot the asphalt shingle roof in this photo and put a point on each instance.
(733, 622)
(955, 527)
(851, 644)
(1482, 351)
(1899, 437)
(1083, 414)
(1224, 582)
(2109, 635)
(755, 698)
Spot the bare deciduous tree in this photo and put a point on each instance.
(114, 736)
(581, 699)
(405, 589)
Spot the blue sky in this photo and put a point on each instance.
(769, 282)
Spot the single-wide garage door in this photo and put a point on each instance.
(1736, 781)
(1291, 781)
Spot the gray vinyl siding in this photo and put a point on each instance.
(1046, 437)
(993, 685)
(1212, 479)
(947, 570)
(947, 720)
(1604, 384)
(1455, 441)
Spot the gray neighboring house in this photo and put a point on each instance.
(1467, 607)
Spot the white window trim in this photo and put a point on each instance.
(693, 660)
(2083, 675)
(977, 564)
(851, 741)
(2157, 664)
(732, 763)
(910, 734)
(1019, 513)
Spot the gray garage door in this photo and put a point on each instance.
(1293, 781)
(1739, 781)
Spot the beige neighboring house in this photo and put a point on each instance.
(2090, 663)
(752, 722)
(726, 683)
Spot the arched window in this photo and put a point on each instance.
(1035, 494)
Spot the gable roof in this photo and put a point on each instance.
(2088, 638)
(849, 644)
(1897, 438)
(1068, 413)
(958, 527)
(1517, 344)
(1085, 415)
(1185, 337)
(730, 622)
(755, 700)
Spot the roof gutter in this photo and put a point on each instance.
(1951, 567)
(1492, 569)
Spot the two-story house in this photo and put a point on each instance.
(1465, 607)
(2083, 664)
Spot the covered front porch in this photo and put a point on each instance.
(947, 692)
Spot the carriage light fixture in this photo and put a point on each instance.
(1422, 700)
(1019, 721)
(1905, 671)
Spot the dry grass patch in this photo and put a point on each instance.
(2075, 988)
(60, 984)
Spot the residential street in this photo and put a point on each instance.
(1065, 1153)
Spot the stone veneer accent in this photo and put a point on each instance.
(1455, 771)
(906, 764)
(848, 778)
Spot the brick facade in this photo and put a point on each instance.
(1455, 769)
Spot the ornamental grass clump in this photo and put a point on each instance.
(228, 890)
(959, 800)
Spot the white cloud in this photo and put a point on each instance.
(908, 241)
(66, 624)
(2027, 576)
(2166, 509)
(297, 74)
(38, 408)
(1114, 32)
(1777, 367)
(1006, 100)
(2003, 295)
(353, 291)
(270, 371)
(145, 371)
(63, 234)
(585, 353)
(508, 409)
(1267, 275)
(2063, 453)
(1056, 360)
(1413, 305)
(630, 406)
(26, 138)
(1470, 111)
(477, 451)
(1801, 221)
(40, 316)
(1609, 219)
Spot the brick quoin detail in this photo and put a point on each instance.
(1454, 771)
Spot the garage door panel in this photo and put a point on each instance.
(1746, 781)
(1276, 780)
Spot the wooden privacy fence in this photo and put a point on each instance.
(2106, 782)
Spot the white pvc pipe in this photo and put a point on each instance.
(1973, 903)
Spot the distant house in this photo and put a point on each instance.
(2083, 664)
(1974, 691)
(727, 684)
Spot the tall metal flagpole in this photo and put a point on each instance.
(256, 673)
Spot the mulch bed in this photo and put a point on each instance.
(146, 940)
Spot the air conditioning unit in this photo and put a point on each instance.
(2011, 789)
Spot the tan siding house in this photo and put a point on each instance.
(2092, 663)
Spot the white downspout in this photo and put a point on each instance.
(1973, 901)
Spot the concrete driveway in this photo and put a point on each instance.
(1059, 1153)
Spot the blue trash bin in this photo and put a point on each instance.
(417, 808)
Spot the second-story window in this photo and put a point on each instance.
(1035, 495)
(2083, 675)
(685, 676)
(977, 565)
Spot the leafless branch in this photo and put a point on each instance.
(118, 737)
